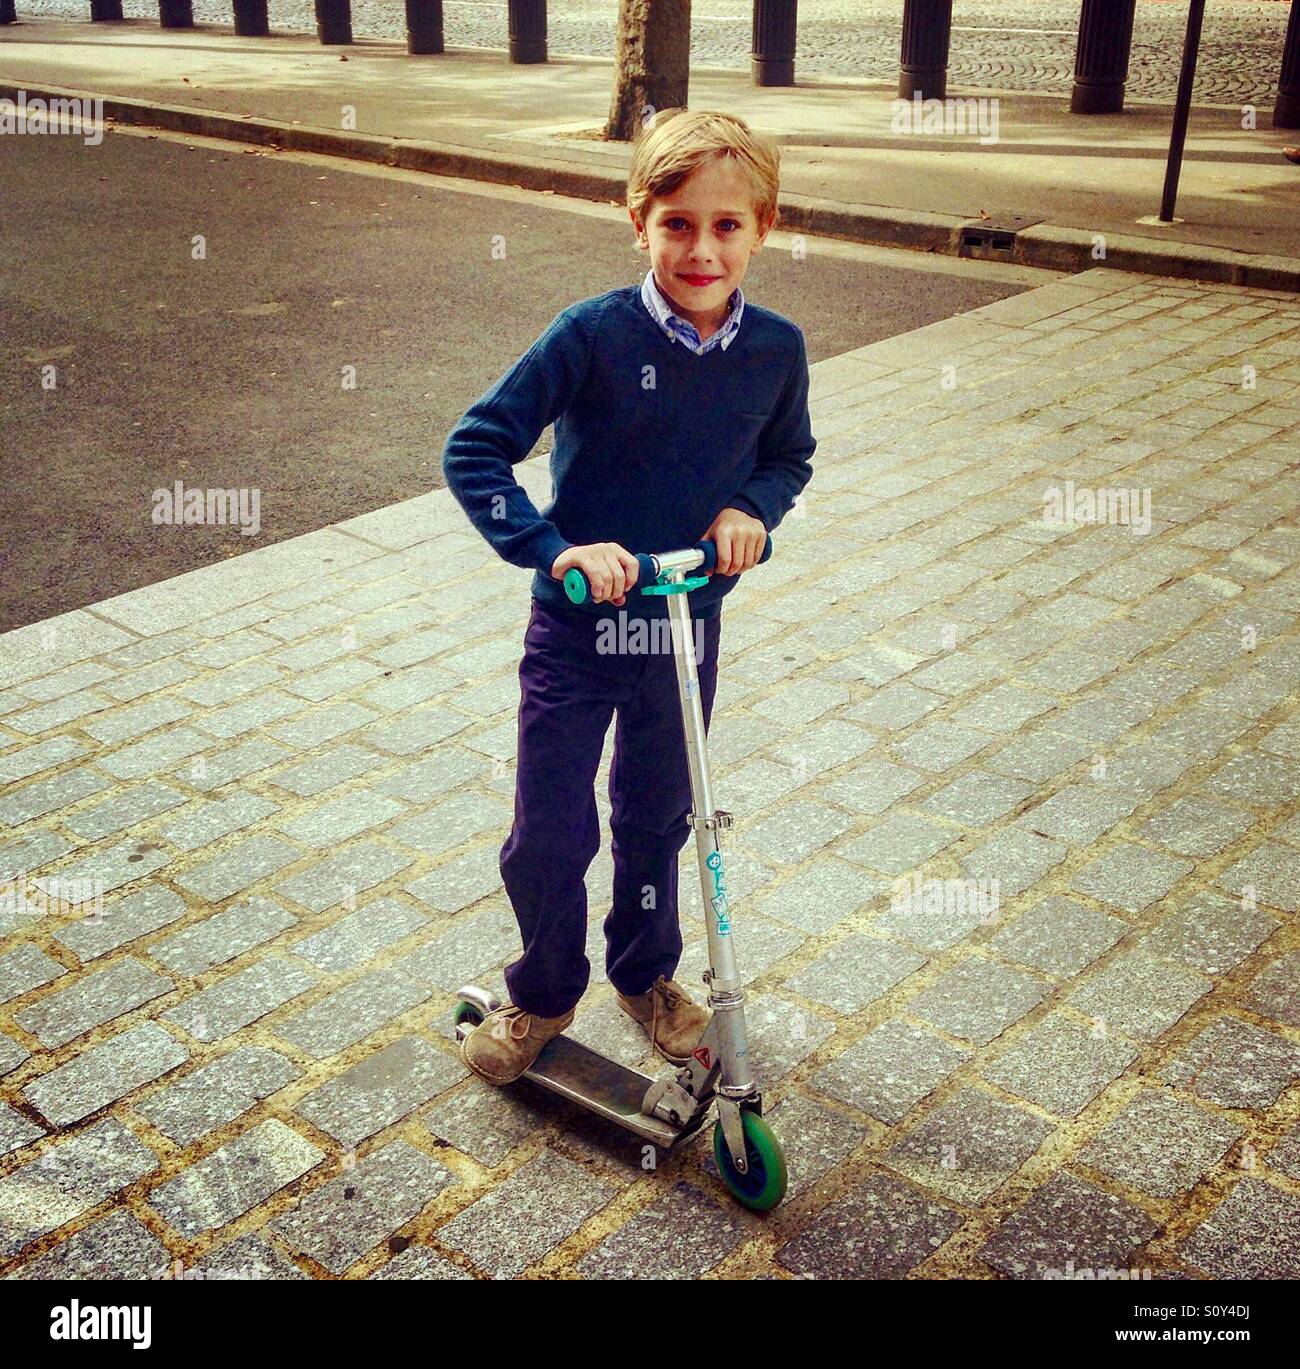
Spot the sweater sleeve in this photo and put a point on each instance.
(785, 449)
(500, 429)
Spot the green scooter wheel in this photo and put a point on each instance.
(765, 1183)
(465, 1011)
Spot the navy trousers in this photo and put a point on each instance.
(569, 691)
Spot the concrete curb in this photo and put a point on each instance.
(1043, 245)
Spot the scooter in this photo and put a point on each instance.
(668, 1109)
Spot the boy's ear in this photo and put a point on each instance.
(763, 230)
(640, 231)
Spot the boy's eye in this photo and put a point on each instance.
(676, 223)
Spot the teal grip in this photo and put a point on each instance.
(578, 588)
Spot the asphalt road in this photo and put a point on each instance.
(227, 371)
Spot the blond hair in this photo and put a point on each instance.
(675, 142)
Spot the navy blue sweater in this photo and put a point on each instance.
(651, 441)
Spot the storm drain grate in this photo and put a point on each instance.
(993, 237)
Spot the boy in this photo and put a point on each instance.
(681, 413)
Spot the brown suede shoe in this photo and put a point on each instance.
(673, 1021)
(507, 1042)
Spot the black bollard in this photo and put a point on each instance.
(1101, 56)
(772, 51)
(527, 30)
(105, 9)
(7, 13)
(175, 14)
(250, 19)
(1286, 113)
(334, 21)
(424, 26)
(1182, 108)
(927, 28)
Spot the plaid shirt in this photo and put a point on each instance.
(679, 330)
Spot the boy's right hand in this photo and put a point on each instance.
(611, 570)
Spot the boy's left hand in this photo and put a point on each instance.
(740, 539)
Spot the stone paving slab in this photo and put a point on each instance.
(1068, 1225)
(115, 1247)
(68, 1179)
(522, 1218)
(100, 1076)
(881, 1230)
(235, 1178)
(1014, 861)
(339, 1222)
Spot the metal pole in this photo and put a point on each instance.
(527, 30)
(1182, 106)
(334, 22)
(772, 47)
(250, 19)
(175, 14)
(1101, 56)
(923, 63)
(103, 10)
(424, 26)
(7, 13)
(1286, 112)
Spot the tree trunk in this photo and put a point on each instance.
(652, 63)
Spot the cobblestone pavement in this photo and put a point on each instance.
(292, 775)
(1024, 45)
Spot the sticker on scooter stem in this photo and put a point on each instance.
(701, 1053)
(719, 900)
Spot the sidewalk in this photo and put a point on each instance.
(292, 772)
(846, 171)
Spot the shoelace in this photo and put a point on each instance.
(517, 1016)
(662, 996)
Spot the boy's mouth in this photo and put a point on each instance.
(698, 280)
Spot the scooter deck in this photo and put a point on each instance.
(597, 1083)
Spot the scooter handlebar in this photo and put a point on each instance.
(578, 588)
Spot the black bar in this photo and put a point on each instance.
(772, 50)
(1182, 106)
(105, 9)
(1286, 113)
(175, 14)
(1101, 56)
(527, 19)
(424, 26)
(7, 12)
(334, 22)
(923, 67)
(250, 19)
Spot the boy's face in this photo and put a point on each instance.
(700, 239)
